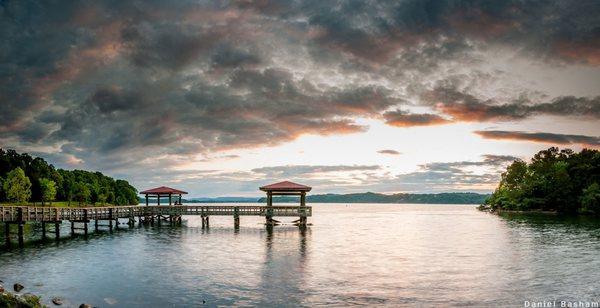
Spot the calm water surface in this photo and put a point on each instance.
(361, 254)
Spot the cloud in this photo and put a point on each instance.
(540, 137)
(401, 118)
(120, 83)
(389, 28)
(310, 170)
(462, 106)
(454, 176)
(389, 152)
(229, 57)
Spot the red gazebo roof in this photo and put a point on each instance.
(285, 186)
(163, 190)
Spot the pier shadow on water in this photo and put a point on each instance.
(164, 266)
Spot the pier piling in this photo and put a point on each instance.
(57, 230)
(7, 233)
(21, 225)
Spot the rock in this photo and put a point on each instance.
(1, 288)
(85, 306)
(57, 301)
(18, 287)
(110, 301)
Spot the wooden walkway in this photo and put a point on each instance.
(20, 215)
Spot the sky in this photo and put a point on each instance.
(221, 97)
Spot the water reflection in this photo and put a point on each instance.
(282, 276)
(392, 255)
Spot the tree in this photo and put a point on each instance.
(81, 192)
(590, 200)
(48, 189)
(101, 187)
(2, 193)
(555, 180)
(17, 186)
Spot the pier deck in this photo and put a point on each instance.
(20, 215)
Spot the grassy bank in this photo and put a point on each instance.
(55, 204)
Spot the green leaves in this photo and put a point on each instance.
(48, 189)
(17, 186)
(555, 180)
(45, 183)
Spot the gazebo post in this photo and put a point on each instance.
(170, 203)
(285, 188)
(146, 199)
(158, 198)
(268, 216)
(179, 199)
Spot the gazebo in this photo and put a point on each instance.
(285, 188)
(163, 191)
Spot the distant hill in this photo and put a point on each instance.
(222, 200)
(369, 197)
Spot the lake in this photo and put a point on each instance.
(359, 254)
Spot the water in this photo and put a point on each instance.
(361, 254)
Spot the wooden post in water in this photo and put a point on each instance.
(96, 225)
(72, 228)
(43, 230)
(85, 222)
(110, 218)
(20, 225)
(269, 216)
(57, 230)
(302, 221)
(236, 217)
(20, 234)
(7, 233)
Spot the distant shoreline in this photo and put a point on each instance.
(368, 197)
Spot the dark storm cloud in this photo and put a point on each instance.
(462, 106)
(561, 30)
(228, 57)
(540, 137)
(404, 119)
(113, 82)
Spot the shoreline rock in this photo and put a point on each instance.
(57, 301)
(18, 287)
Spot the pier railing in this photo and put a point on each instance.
(48, 214)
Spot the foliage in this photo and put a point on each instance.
(81, 192)
(554, 180)
(48, 188)
(79, 185)
(590, 200)
(10, 300)
(17, 186)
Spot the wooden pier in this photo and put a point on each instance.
(81, 217)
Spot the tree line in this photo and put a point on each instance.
(25, 178)
(554, 180)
